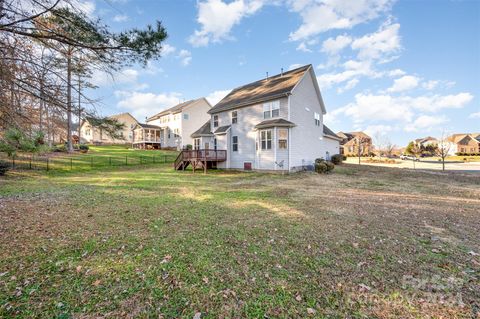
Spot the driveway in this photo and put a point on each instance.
(473, 167)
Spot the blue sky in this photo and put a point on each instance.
(405, 69)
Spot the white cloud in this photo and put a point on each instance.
(216, 96)
(320, 16)
(168, 49)
(430, 85)
(406, 82)
(217, 18)
(142, 105)
(120, 18)
(335, 45)
(100, 78)
(379, 45)
(352, 70)
(475, 115)
(185, 56)
(378, 130)
(396, 72)
(350, 85)
(303, 47)
(426, 123)
(369, 107)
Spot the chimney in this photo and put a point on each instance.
(281, 73)
(267, 76)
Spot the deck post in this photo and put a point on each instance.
(205, 166)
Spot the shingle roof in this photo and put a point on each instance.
(263, 90)
(274, 122)
(329, 132)
(222, 129)
(175, 109)
(148, 126)
(205, 130)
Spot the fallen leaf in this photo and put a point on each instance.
(205, 280)
(298, 298)
(311, 311)
(97, 282)
(198, 315)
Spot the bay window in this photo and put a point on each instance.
(282, 138)
(266, 139)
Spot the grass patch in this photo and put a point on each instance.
(147, 241)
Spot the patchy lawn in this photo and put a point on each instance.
(151, 242)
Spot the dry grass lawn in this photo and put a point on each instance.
(149, 242)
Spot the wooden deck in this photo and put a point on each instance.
(199, 159)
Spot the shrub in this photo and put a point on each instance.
(344, 157)
(319, 160)
(330, 166)
(83, 148)
(189, 147)
(321, 167)
(337, 159)
(59, 148)
(4, 167)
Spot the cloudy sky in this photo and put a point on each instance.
(403, 68)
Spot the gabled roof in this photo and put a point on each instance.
(205, 130)
(425, 139)
(456, 138)
(328, 132)
(222, 129)
(95, 121)
(175, 109)
(275, 123)
(147, 126)
(350, 135)
(274, 87)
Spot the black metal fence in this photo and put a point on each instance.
(82, 162)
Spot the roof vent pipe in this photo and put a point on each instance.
(267, 76)
(281, 72)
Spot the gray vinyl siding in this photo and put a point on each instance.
(306, 139)
(248, 117)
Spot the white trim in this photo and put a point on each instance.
(275, 148)
(288, 108)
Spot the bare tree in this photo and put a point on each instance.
(443, 148)
(362, 142)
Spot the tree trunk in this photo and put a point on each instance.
(69, 100)
(79, 108)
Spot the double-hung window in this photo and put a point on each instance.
(317, 118)
(215, 121)
(234, 117)
(176, 132)
(271, 109)
(266, 139)
(282, 138)
(235, 143)
(196, 143)
(185, 116)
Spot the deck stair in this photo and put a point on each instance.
(199, 159)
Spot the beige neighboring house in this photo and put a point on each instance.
(426, 141)
(351, 141)
(464, 143)
(172, 128)
(270, 124)
(93, 135)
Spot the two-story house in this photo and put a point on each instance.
(271, 124)
(353, 143)
(94, 134)
(173, 127)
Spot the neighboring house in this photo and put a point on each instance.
(176, 124)
(426, 141)
(271, 124)
(146, 136)
(352, 141)
(94, 135)
(468, 144)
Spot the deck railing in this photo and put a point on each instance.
(201, 155)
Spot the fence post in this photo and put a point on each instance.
(164, 158)
(48, 166)
(91, 162)
(154, 159)
(13, 161)
(126, 159)
(71, 163)
(30, 164)
(110, 161)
